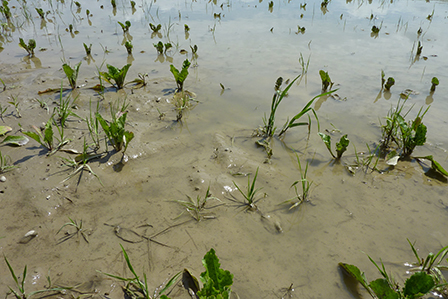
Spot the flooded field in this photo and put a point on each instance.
(68, 202)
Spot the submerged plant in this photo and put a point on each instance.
(155, 28)
(181, 76)
(40, 12)
(116, 75)
(136, 287)
(390, 82)
(159, 47)
(115, 130)
(341, 146)
(28, 48)
(72, 73)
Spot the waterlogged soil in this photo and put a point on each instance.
(132, 200)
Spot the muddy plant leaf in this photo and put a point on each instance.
(383, 290)
(327, 141)
(16, 140)
(216, 281)
(342, 145)
(418, 285)
(4, 130)
(189, 281)
(356, 274)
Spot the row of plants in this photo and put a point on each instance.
(427, 278)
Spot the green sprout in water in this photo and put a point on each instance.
(125, 26)
(326, 81)
(41, 12)
(71, 73)
(155, 28)
(30, 47)
(434, 83)
(390, 82)
(181, 76)
(116, 75)
(250, 193)
(129, 47)
(341, 146)
(88, 49)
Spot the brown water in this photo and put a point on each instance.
(348, 216)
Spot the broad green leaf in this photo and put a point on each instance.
(16, 140)
(33, 135)
(382, 289)
(418, 285)
(342, 145)
(420, 135)
(48, 135)
(68, 71)
(4, 130)
(327, 140)
(175, 72)
(216, 281)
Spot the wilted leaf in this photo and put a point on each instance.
(16, 140)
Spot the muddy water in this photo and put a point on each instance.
(347, 215)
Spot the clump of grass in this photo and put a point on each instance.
(300, 197)
(15, 102)
(251, 192)
(136, 287)
(197, 207)
(69, 235)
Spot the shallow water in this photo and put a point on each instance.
(348, 216)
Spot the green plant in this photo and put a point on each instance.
(113, 3)
(72, 73)
(306, 185)
(181, 76)
(196, 207)
(45, 137)
(15, 102)
(88, 49)
(80, 163)
(300, 29)
(20, 285)
(406, 135)
(427, 278)
(115, 74)
(250, 193)
(133, 4)
(159, 47)
(419, 49)
(115, 130)
(434, 83)
(128, 45)
(69, 235)
(375, 30)
(64, 108)
(186, 28)
(5, 163)
(41, 12)
(4, 9)
(341, 146)
(93, 125)
(155, 28)
(136, 287)
(326, 81)
(2, 112)
(390, 82)
(217, 282)
(125, 26)
(28, 48)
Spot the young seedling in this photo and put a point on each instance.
(128, 45)
(136, 287)
(182, 102)
(341, 146)
(2, 112)
(419, 49)
(300, 29)
(45, 137)
(88, 49)
(6, 163)
(116, 75)
(132, 5)
(306, 185)
(434, 83)
(69, 235)
(155, 28)
(196, 207)
(326, 81)
(186, 28)
(28, 48)
(115, 130)
(93, 126)
(4, 9)
(15, 102)
(125, 26)
(375, 30)
(390, 82)
(64, 108)
(72, 73)
(41, 13)
(113, 3)
(250, 193)
(20, 285)
(181, 76)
